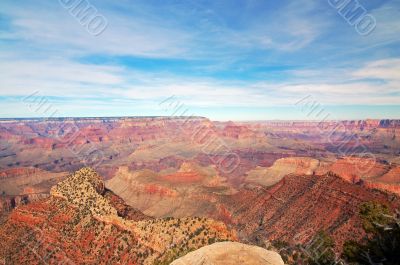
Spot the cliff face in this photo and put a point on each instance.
(8, 203)
(191, 190)
(268, 176)
(295, 208)
(83, 223)
(19, 186)
(368, 172)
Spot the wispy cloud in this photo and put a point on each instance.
(208, 53)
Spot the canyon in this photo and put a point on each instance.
(254, 182)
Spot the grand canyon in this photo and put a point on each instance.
(148, 190)
(198, 132)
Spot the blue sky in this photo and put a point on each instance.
(227, 60)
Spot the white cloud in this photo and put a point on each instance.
(123, 36)
(56, 78)
(388, 70)
(77, 81)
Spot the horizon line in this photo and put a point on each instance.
(186, 117)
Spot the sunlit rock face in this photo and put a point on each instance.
(82, 222)
(232, 253)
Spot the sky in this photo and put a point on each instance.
(222, 59)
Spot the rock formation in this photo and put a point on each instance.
(230, 253)
(291, 178)
(20, 186)
(297, 207)
(82, 223)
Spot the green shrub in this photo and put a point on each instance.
(382, 243)
(320, 251)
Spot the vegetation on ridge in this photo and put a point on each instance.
(79, 223)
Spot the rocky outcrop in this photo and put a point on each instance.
(83, 223)
(231, 253)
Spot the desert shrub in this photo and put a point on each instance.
(283, 249)
(318, 251)
(321, 249)
(382, 243)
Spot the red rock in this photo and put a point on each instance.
(297, 207)
(182, 177)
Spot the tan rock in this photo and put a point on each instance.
(230, 253)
